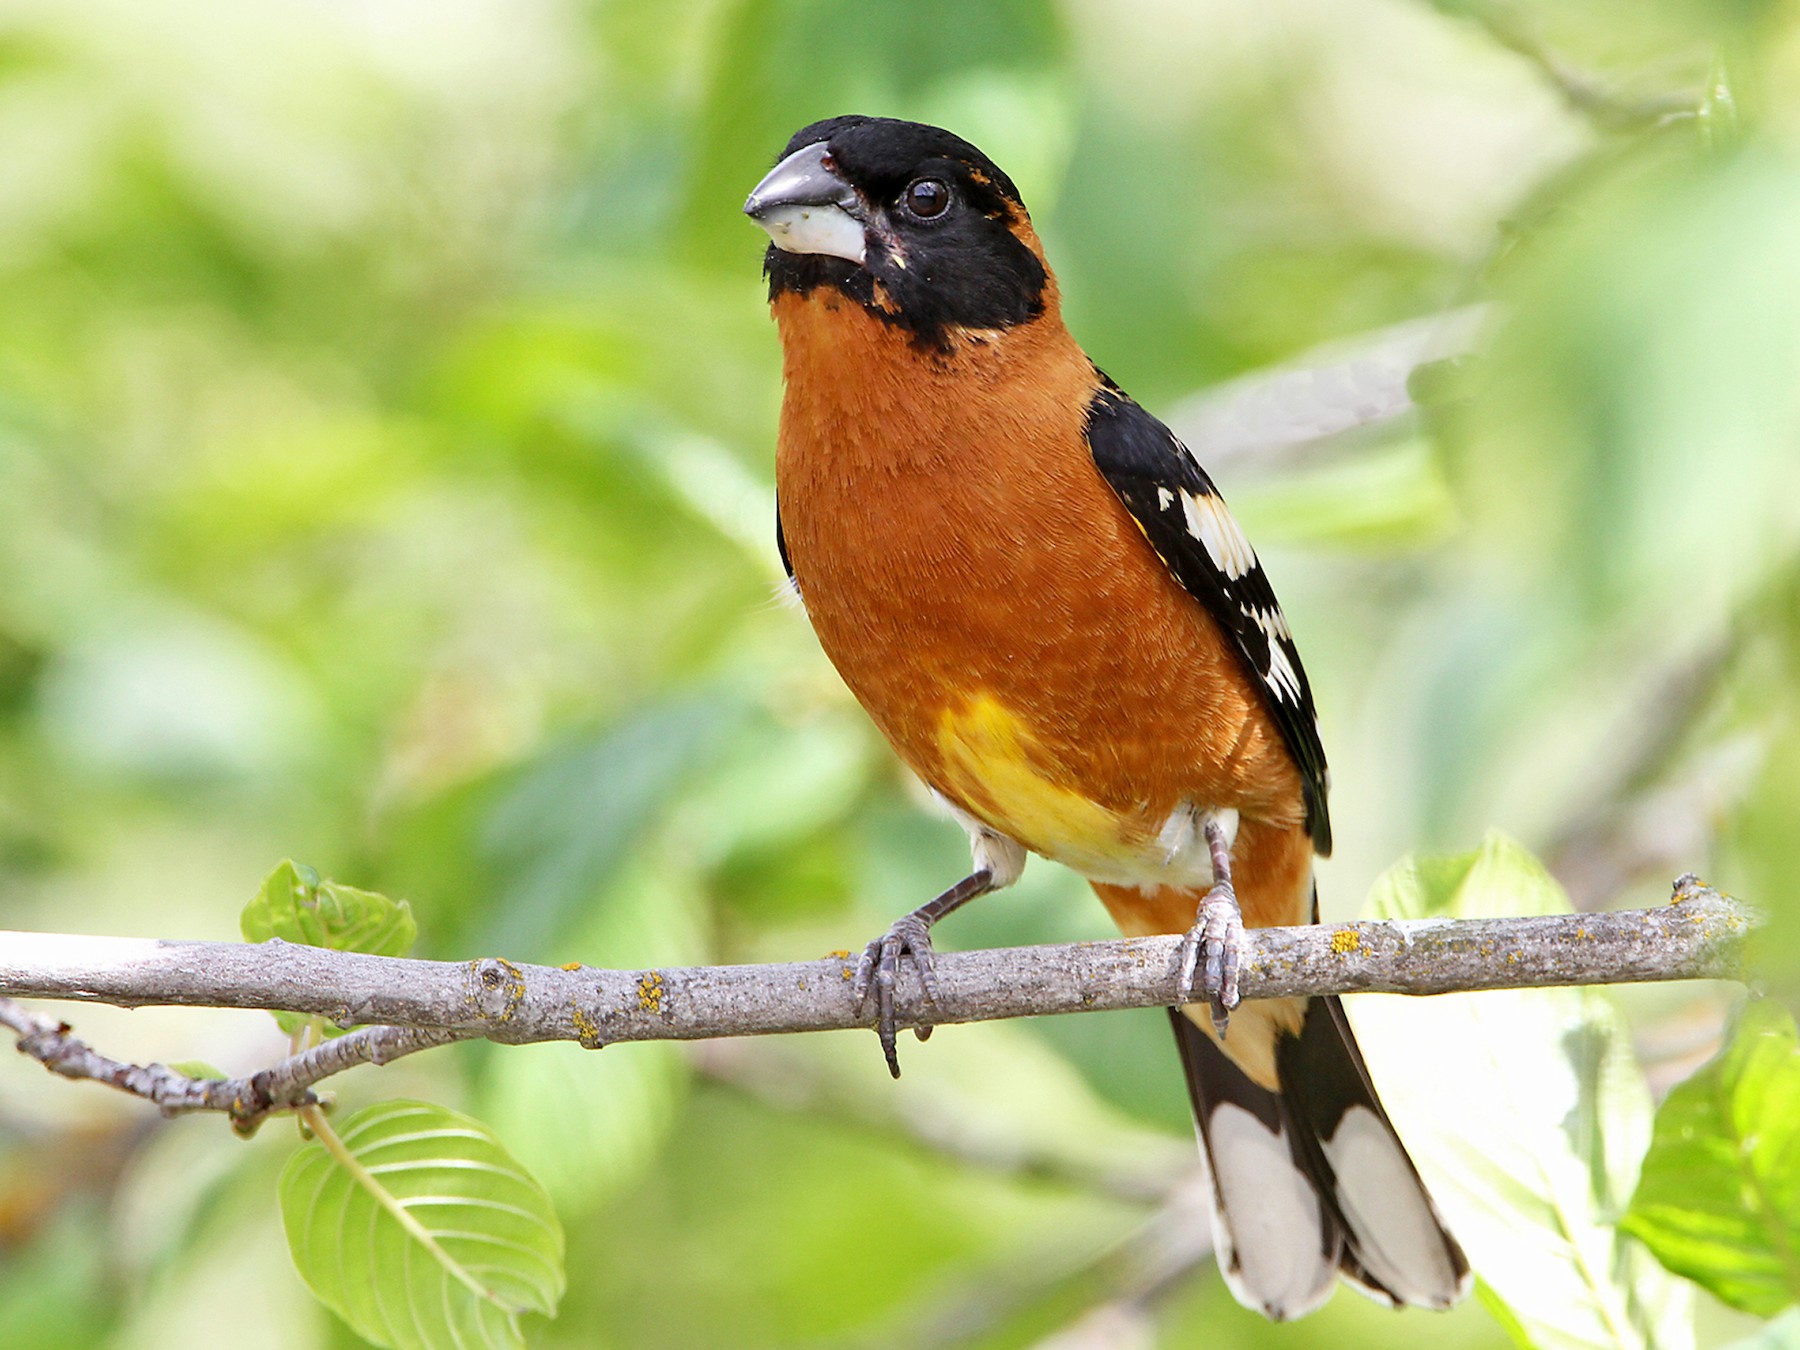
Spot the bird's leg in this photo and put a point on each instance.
(910, 936)
(1215, 944)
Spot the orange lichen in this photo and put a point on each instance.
(650, 992)
(586, 1028)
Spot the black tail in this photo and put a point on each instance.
(1312, 1181)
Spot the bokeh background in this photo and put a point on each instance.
(387, 402)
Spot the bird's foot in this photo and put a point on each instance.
(910, 937)
(879, 970)
(1214, 948)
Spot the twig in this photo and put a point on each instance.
(286, 1085)
(51, 1043)
(1623, 829)
(1277, 419)
(1507, 25)
(419, 1004)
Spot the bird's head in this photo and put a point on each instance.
(912, 222)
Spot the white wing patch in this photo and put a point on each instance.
(1272, 621)
(1282, 677)
(1187, 523)
(1211, 523)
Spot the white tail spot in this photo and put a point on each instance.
(1269, 1217)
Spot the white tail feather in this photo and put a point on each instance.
(1394, 1228)
(1273, 1248)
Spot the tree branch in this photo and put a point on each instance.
(246, 1100)
(1289, 415)
(1509, 26)
(416, 1005)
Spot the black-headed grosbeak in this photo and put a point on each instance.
(1038, 595)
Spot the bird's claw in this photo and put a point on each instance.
(1213, 949)
(879, 970)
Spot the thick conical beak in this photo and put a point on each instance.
(807, 208)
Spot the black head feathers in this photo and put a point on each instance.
(911, 221)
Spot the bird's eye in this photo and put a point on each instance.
(928, 197)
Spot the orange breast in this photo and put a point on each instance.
(989, 600)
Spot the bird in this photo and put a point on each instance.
(1038, 595)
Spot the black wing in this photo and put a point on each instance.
(781, 545)
(1183, 516)
(789, 591)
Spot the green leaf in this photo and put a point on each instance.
(1781, 1334)
(1719, 1200)
(1527, 1113)
(296, 905)
(417, 1228)
(197, 1068)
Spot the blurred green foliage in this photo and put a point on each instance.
(1553, 1116)
(386, 411)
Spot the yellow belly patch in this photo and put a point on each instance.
(992, 762)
